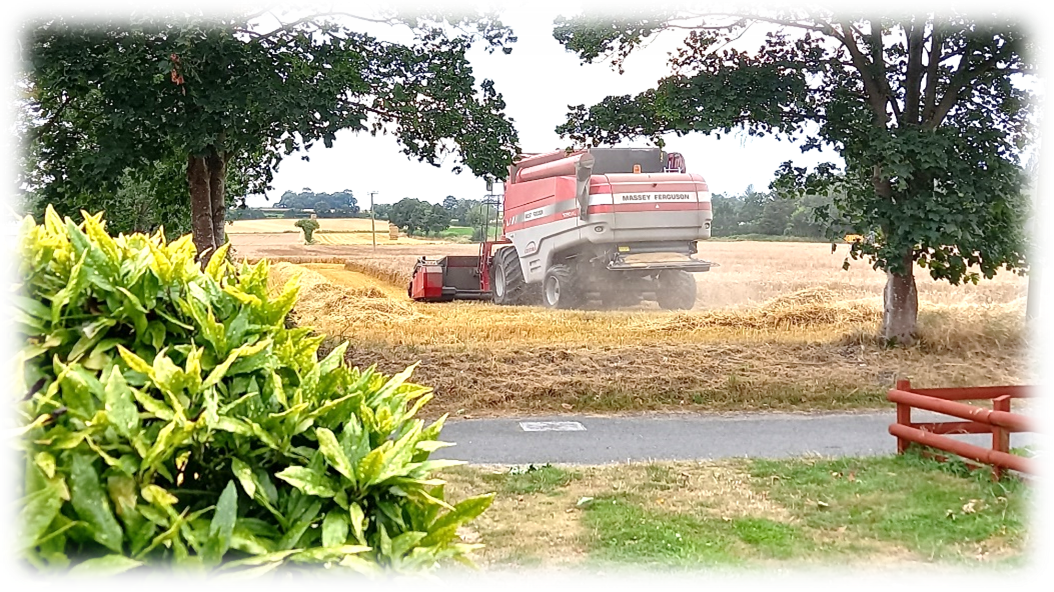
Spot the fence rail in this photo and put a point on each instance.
(998, 421)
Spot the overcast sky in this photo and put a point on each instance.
(538, 80)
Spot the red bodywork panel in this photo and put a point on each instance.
(454, 277)
(486, 257)
(427, 283)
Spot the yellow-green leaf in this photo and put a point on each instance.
(358, 522)
(217, 263)
(360, 565)
(255, 576)
(135, 362)
(120, 407)
(308, 481)
(157, 495)
(220, 371)
(334, 529)
(245, 476)
(222, 525)
(16, 432)
(321, 554)
(275, 557)
(108, 565)
(333, 453)
(91, 503)
(36, 512)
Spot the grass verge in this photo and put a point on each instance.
(747, 514)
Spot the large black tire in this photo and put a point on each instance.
(507, 285)
(559, 289)
(676, 290)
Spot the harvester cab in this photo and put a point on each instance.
(614, 225)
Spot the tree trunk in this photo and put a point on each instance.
(901, 306)
(217, 164)
(201, 207)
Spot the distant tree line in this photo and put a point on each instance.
(341, 204)
(766, 213)
(419, 217)
(472, 213)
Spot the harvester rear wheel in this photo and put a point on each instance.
(676, 290)
(506, 280)
(559, 289)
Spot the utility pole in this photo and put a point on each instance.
(373, 221)
(1041, 225)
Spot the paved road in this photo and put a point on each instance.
(599, 440)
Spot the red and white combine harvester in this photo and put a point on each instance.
(614, 225)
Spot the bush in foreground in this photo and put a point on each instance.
(171, 419)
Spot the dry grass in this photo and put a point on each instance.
(391, 270)
(809, 315)
(811, 344)
(753, 272)
(348, 310)
(295, 260)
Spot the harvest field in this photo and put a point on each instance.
(776, 326)
(273, 225)
(280, 232)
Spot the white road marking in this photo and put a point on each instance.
(552, 426)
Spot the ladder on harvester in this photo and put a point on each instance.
(674, 163)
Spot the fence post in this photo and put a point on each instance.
(903, 415)
(1000, 437)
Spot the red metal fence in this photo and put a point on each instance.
(998, 421)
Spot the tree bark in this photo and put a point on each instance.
(217, 164)
(900, 309)
(201, 206)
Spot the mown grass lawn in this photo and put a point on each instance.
(747, 514)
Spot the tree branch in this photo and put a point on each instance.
(878, 62)
(960, 78)
(871, 86)
(824, 28)
(288, 26)
(258, 14)
(913, 76)
(930, 100)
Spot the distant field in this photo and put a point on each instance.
(457, 231)
(289, 225)
(366, 238)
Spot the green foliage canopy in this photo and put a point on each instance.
(927, 112)
(105, 97)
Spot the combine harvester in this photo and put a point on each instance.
(615, 225)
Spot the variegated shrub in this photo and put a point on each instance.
(170, 419)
